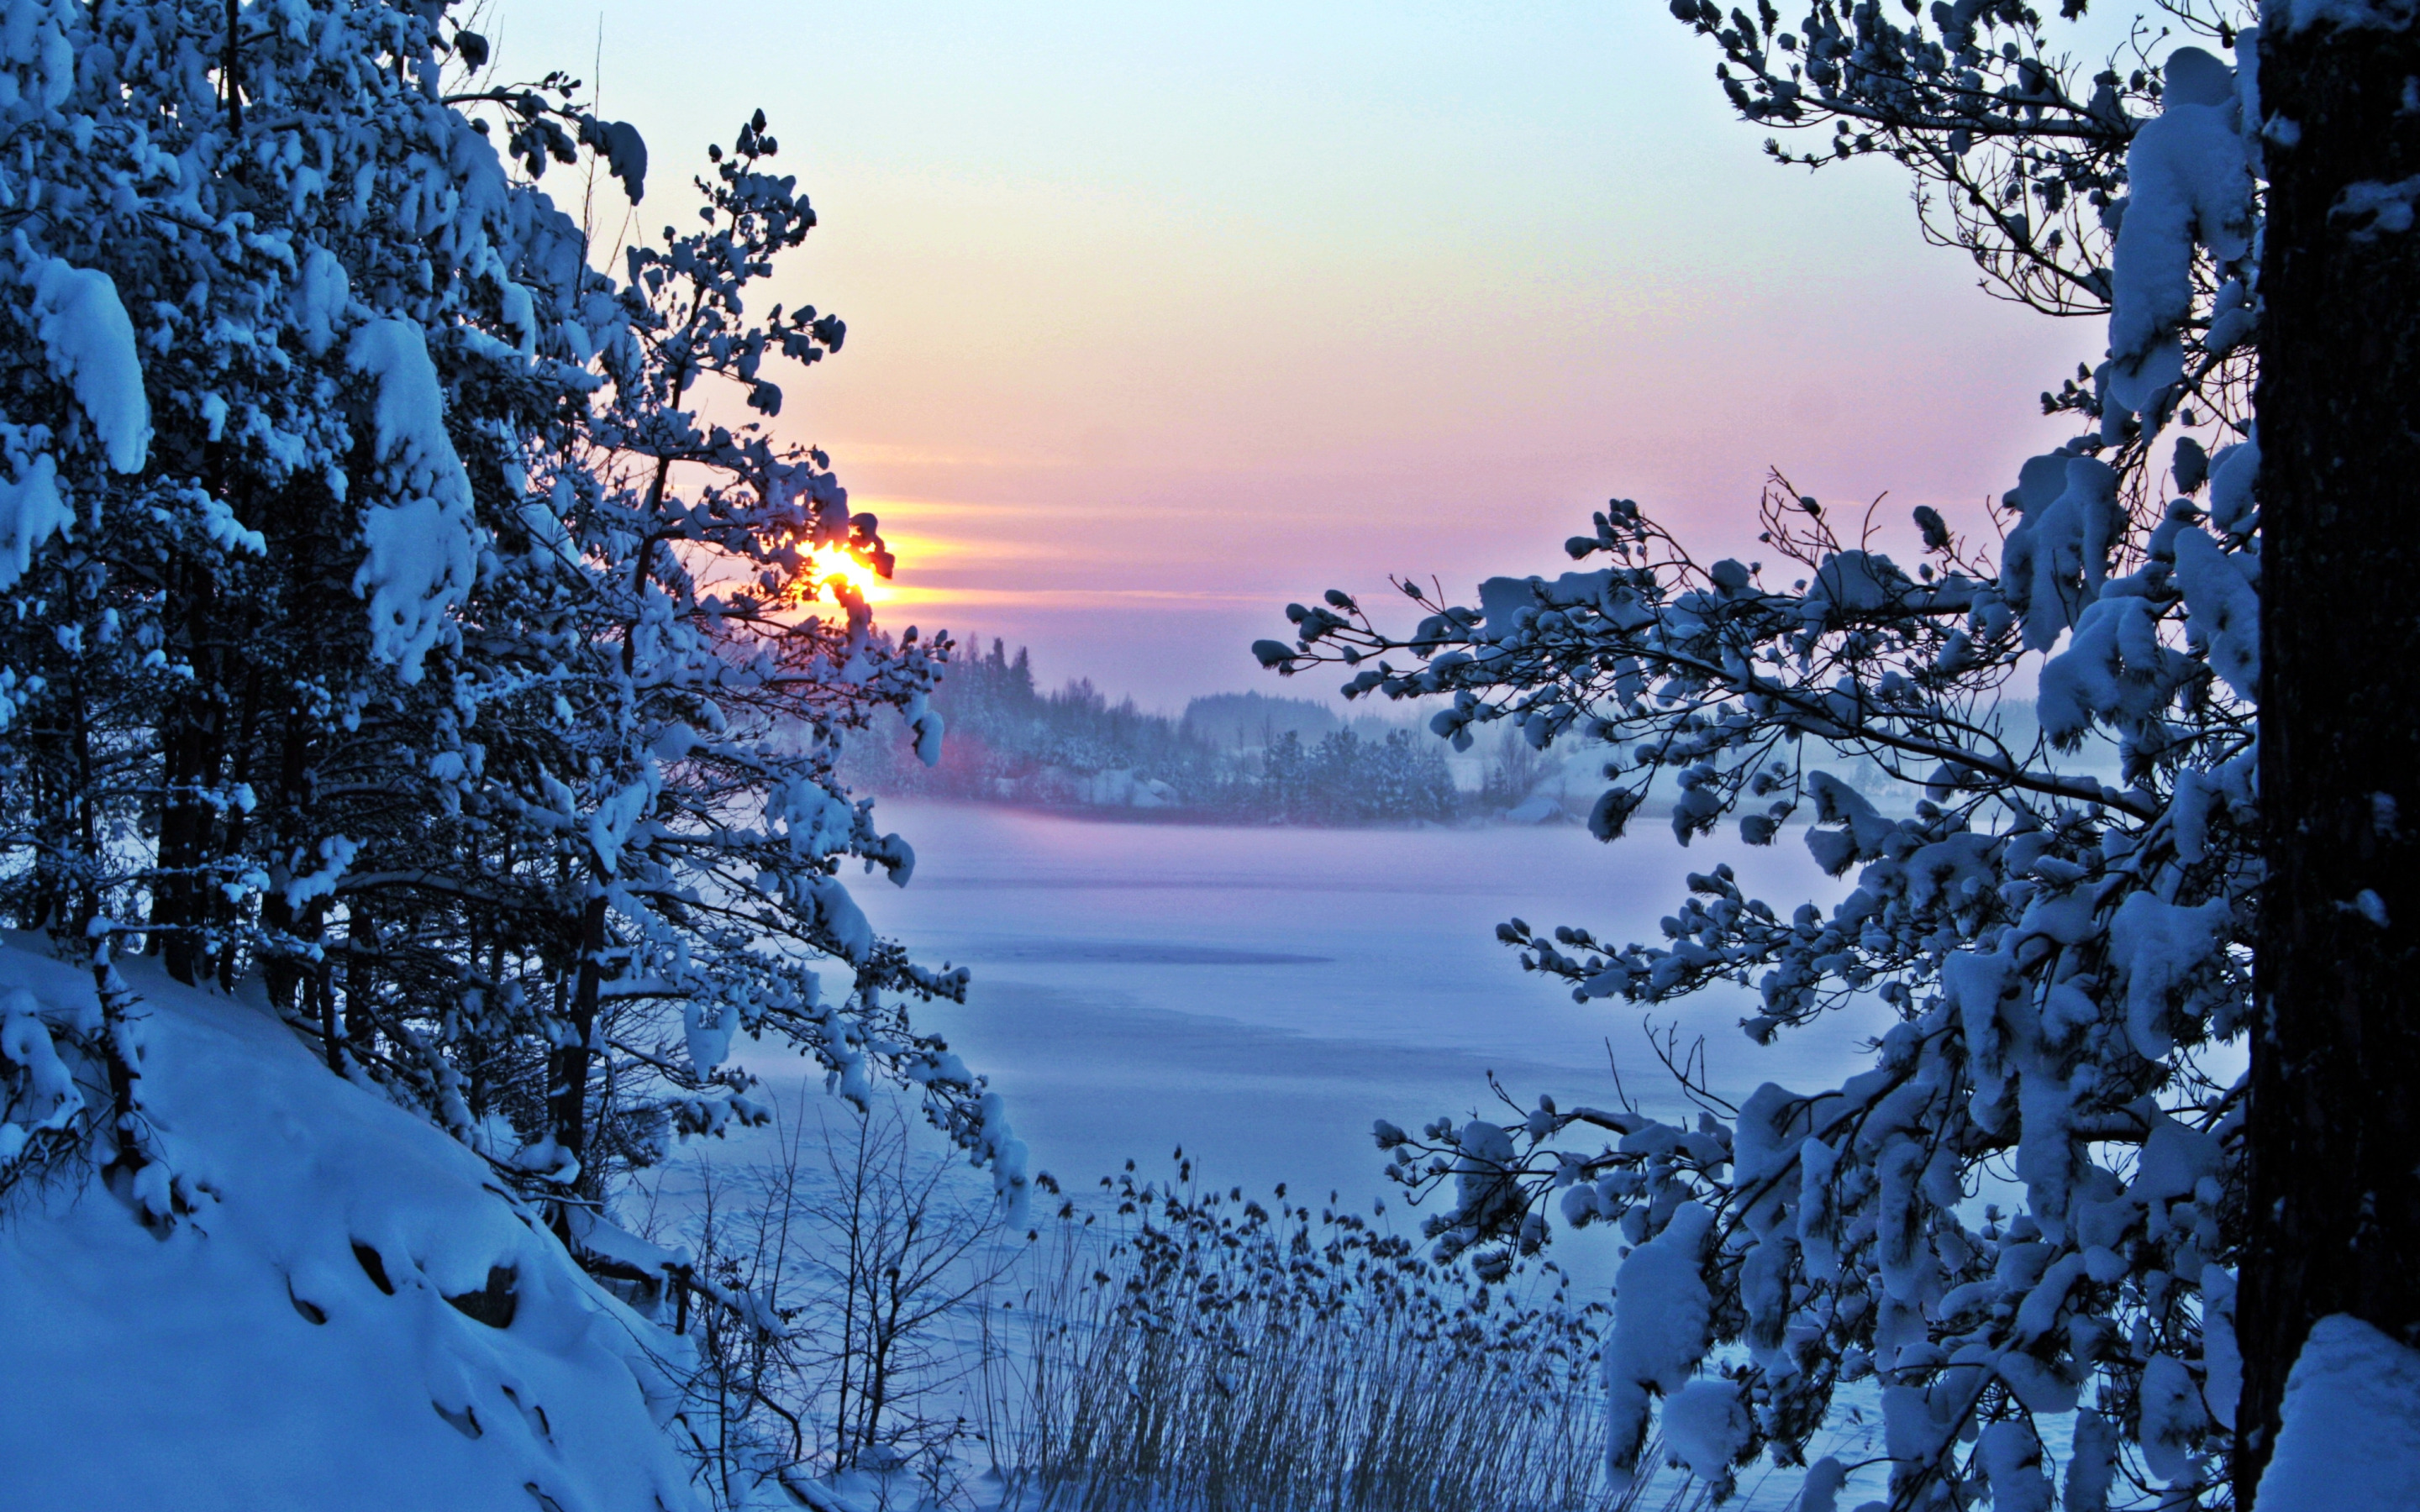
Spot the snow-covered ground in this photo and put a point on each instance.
(290, 1344)
(1260, 995)
(1257, 995)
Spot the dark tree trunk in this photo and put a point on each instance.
(192, 740)
(304, 605)
(230, 955)
(288, 973)
(2333, 1215)
(61, 856)
(322, 986)
(361, 941)
(567, 1071)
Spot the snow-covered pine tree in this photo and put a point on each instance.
(670, 708)
(385, 618)
(2069, 963)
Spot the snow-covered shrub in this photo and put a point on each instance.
(2067, 958)
(884, 1339)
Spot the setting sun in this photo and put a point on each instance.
(835, 565)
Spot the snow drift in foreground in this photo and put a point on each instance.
(252, 1358)
(2351, 1436)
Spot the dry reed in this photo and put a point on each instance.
(1201, 1353)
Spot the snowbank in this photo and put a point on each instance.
(291, 1344)
(2351, 1432)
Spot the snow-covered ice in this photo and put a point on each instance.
(1260, 995)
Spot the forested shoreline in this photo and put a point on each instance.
(1230, 758)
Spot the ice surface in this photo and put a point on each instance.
(1261, 996)
(1094, 952)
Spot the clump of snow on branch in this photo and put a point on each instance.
(91, 343)
(2190, 184)
(424, 539)
(1662, 1327)
(31, 512)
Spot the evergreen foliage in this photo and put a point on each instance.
(391, 621)
(1257, 719)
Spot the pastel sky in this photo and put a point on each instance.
(1161, 316)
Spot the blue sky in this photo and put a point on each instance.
(1161, 316)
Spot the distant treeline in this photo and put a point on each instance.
(1249, 757)
(1238, 755)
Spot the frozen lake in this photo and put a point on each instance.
(1260, 995)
